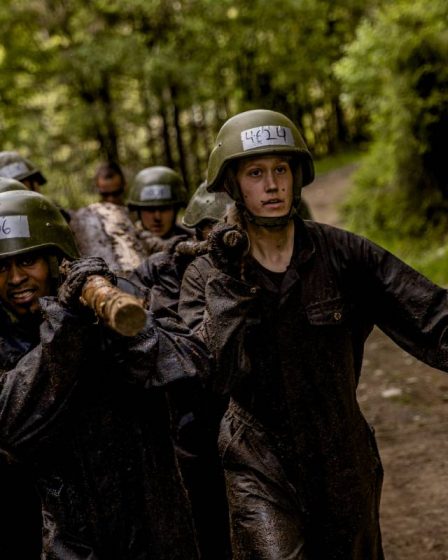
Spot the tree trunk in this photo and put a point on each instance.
(179, 143)
(168, 154)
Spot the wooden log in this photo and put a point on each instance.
(106, 230)
(121, 312)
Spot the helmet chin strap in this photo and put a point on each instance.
(263, 221)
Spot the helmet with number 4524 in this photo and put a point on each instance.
(29, 221)
(259, 132)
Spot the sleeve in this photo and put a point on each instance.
(35, 393)
(192, 296)
(221, 309)
(142, 275)
(164, 352)
(403, 303)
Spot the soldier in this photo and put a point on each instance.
(156, 195)
(196, 413)
(285, 306)
(14, 166)
(166, 268)
(83, 408)
(110, 183)
(19, 501)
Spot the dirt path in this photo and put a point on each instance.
(406, 402)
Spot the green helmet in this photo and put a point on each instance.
(157, 186)
(11, 185)
(14, 166)
(256, 133)
(29, 221)
(204, 206)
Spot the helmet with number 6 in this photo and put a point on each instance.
(257, 133)
(29, 221)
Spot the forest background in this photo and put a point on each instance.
(150, 82)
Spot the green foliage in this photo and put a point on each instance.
(396, 69)
(150, 82)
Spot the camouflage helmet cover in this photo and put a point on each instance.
(204, 206)
(15, 166)
(256, 133)
(157, 186)
(29, 221)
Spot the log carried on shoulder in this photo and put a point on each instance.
(105, 230)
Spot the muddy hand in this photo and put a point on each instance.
(76, 273)
(89, 282)
(227, 247)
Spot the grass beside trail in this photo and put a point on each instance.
(341, 159)
(429, 256)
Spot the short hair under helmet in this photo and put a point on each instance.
(257, 133)
(30, 221)
(157, 186)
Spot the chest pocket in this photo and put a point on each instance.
(333, 311)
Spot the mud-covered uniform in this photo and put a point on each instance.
(302, 467)
(86, 411)
(196, 414)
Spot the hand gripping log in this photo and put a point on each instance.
(120, 311)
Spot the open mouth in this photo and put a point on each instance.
(22, 296)
(272, 202)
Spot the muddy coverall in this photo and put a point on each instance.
(196, 413)
(20, 508)
(302, 467)
(86, 411)
(155, 244)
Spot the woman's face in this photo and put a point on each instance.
(266, 185)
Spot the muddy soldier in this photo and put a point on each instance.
(85, 409)
(285, 307)
(19, 501)
(156, 195)
(166, 268)
(196, 413)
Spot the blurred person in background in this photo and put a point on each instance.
(15, 166)
(110, 183)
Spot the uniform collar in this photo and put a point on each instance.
(304, 250)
